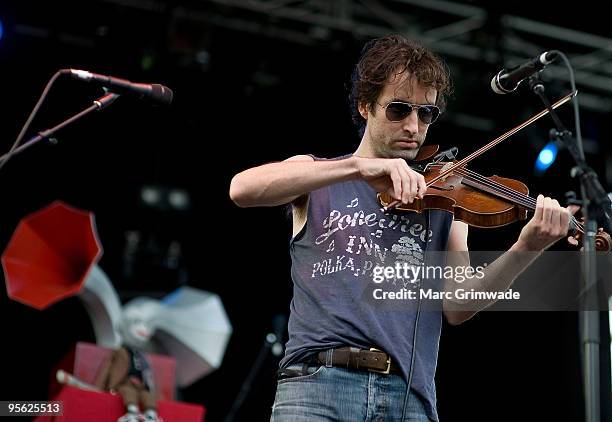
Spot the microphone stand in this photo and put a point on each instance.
(99, 104)
(597, 208)
(272, 344)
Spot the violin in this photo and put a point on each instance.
(477, 200)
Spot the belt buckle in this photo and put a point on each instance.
(386, 371)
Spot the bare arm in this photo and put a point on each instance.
(280, 183)
(498, 275)
(549, 224)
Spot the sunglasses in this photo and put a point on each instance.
(398, 110)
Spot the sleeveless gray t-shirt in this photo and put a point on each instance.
(337, 300)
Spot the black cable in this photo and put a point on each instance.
(416, 325)
(574, 103)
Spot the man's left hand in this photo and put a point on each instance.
(549, 224)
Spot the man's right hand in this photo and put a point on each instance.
(392, 176)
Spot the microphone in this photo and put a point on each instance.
(507, 80)
(155, 92)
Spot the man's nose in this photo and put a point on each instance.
(411, 122)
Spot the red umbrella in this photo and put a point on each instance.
(50, 255)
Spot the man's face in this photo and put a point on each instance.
(404, 138)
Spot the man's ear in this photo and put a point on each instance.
(363, 110)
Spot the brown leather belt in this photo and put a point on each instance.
(353, 358)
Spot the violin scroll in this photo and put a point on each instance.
(603, 241)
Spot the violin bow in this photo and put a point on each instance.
(490, 145)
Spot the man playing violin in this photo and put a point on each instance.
(349, 357)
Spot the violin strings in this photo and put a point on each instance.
(519, 197)
(512, 194)
(530, 201)
(515, 195)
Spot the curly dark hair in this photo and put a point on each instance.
(382, 57)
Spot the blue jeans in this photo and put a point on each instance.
(338, 394)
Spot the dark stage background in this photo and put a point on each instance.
(252, 87)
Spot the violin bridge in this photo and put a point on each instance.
(443, 169)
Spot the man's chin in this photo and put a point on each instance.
(406, 154)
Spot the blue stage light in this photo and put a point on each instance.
(547, 156)
(1, 30)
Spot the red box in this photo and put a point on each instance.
(86, 359)
(81, 405)
(84, 362)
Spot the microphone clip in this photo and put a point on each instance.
(535, 83)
